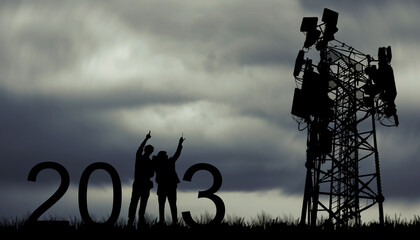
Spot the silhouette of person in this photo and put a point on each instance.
(143, 171)
(167, 180)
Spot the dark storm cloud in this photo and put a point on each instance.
(224, 79)
(71, 132)
(399, 156)
(249, 168)
(70, 128)
(350, 6)
(367, 25)
(36, 42)
(39, 130)
(229, 32)
(347, 5)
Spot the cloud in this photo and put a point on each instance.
(84, 82)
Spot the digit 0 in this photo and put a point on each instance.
(117, 192)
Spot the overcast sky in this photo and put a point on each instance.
(84, 81)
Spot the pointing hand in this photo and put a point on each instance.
(181, 139)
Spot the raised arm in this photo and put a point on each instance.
(141, 147)
(179, 149)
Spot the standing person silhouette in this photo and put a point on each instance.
(143, 171)
(167, 180)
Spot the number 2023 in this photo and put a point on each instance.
(117, 192)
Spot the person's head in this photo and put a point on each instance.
(162, 155)
(148, 149)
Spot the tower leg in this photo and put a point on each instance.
(380, 197)
(306, 197)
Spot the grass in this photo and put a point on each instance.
(260, 226)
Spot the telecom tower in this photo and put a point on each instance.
(338, 100)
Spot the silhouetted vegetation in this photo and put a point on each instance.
(261, 226)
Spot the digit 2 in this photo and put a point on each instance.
(64, 185)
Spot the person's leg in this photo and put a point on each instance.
(135, 195)
(161, 200)
(172, 204)
(143, 203)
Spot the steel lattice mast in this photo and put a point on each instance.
(338, 101)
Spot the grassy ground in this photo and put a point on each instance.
(261, 226)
